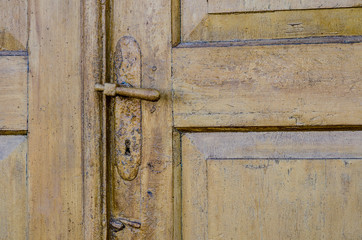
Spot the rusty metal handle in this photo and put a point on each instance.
(111, 89)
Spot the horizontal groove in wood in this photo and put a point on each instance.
(233, 6)
(13, 132)
(13, 53)
(272, 128)
(266, 42)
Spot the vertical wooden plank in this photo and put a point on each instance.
(13, 198)
(149, 22)
(55, 125)
(95, 225)
(176, 22)
(13, 25)
(177, 185)
(194, 190)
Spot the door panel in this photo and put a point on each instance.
(268, 85)
(13, 93)
(13, 198)
(13, 25)
(231, 20)
(271, 185)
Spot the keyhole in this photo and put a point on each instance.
(127, 143)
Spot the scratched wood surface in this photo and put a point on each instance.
(268, 85)
(13, 194)
(55, 121)
(271, 185)
(149, 23)
(13, 25)
(228, 21)
(274, 25)
(215, 6)
(13, 93)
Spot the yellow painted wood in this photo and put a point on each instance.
(13, 93)
(279, 24)
(291, 85)
(13, 25)
(215, 6)
(192, 13)
(281, 199)
(93, 143)
(55, 121)
(303, 185)
(150, 198)
(13, 194)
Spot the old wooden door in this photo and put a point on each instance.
(41, 181)
(257, 133)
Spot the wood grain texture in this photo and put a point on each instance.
(284, 199)
(267, 85)
(55, 121)
(271, 185)
(13, 25)
(13, 93)
(94, 173)
(13, 193)
(149, 22)
(279, 24)
(215, 6)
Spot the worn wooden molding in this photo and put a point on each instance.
(93, 139)
(249, 20)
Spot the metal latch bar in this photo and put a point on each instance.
(111, 89)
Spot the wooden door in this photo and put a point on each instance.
(41, 181)
(257, 133)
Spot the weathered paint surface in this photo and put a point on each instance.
(13, 25)
(215, 6)
(271, 185)
(203, 21)
(283, 85)
(13, 192)
(13, 93)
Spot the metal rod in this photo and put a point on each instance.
(139, 93)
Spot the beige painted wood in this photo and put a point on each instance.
(290, 85)
(215, 6)
(192, 13)
(149, 23)
(94, 157)
(200, 23)
(55, 121)
(13, 194)
(13, 93)
(13, 25)
(256, 199)
(279, 24)
(271, 185)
